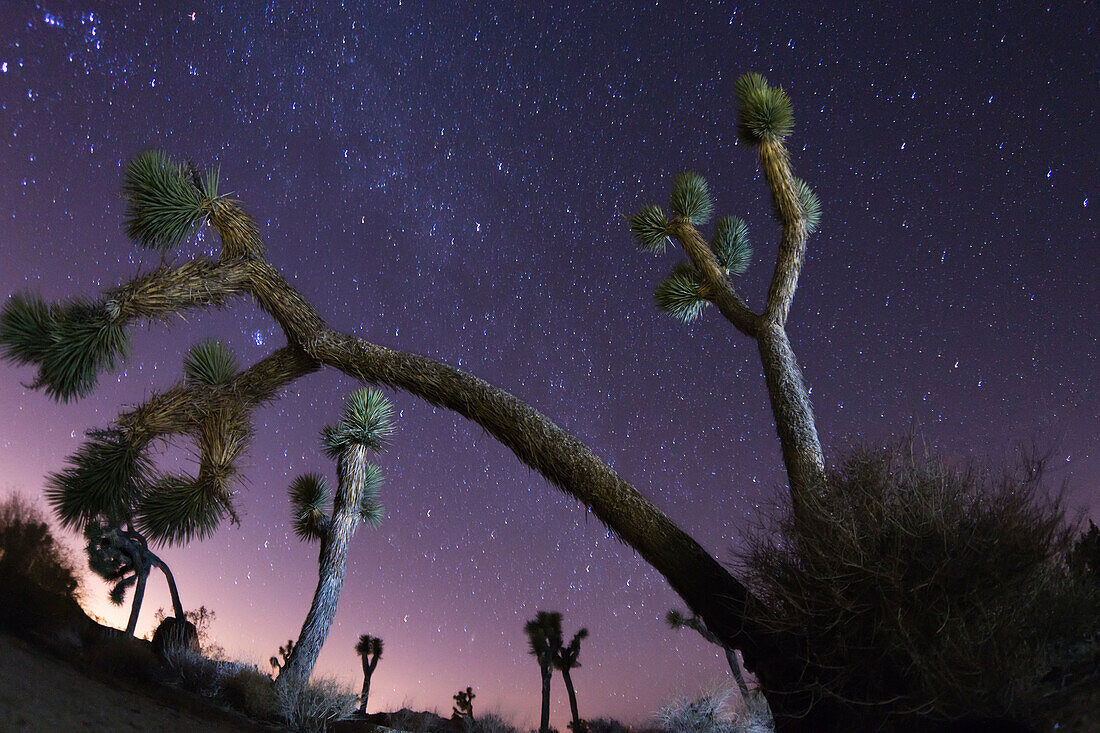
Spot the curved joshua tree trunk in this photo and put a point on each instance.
(572, 699)
(332, 567)
(135, 606)
(177, 607)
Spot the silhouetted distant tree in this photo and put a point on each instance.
(284, 652)
(677, 620)
(464, 705)
(366, 425)
(544, 639)
(565, 660)
(122, 557)
(369, 649)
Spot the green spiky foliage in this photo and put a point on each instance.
(730, 245)
(681, 293)
(69, 343)
(371, 510)
(210, 362)
(367, 421)
(179, 509)
(811, 204)
(167, 200)
(764, 113)
(106, 477)
(650, 228)
(310, 496)
(691, 198)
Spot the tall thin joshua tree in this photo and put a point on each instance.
(369, 649)
(565, 661)
(544, 642)
(366, 425)
(71, 343)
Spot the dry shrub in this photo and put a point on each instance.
(920, 592)
(314, 706)
(492, 723)
(708, 713)
(252, 692)
(196, 673)
(27, 547)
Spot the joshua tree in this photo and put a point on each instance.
(365, 427)
(565, 660)
(122, 556)
(677, 620)
(71, 343)
(464, 704)
(369, 649)
(544, 638)
(284, 652)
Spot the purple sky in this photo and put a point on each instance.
(451, 181)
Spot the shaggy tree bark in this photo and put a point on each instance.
(332, 567)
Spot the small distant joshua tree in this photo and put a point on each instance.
(284, 652)
(464, 704)
(564, 661)
(369, 649)
(544, 635)
(678, 620)
(366, 425)
(122, 556)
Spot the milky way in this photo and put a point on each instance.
(452, 182)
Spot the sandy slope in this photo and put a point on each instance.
(39, 692)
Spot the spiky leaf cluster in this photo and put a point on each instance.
(113, 556)
(167, 201)
(544, 637)
(764, 113)
(210, 362)
(811, 204)
(179, 509)
(105, 478)
(691, 198)
(70, 344)
(730, 245)
(371, 510)
(568, 656)
(681, 293)
(650, 228)
(368, 644)
(367, 422)
(309, 496)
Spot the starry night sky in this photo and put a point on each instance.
(452, 181)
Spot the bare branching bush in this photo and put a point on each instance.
(921, 592)
(492, 723)
(314, 706)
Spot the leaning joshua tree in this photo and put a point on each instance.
(677, 620)
(565, 660)
(369, 649)
(72, 343)
(122, 556)
(544, 642)
(366, 425)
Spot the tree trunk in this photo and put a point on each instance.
(544, 720)
(139, 595)
(572, 698)
(368, 670)
(177, 607)
(794, 416)
(731, 658)
(332, 566)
